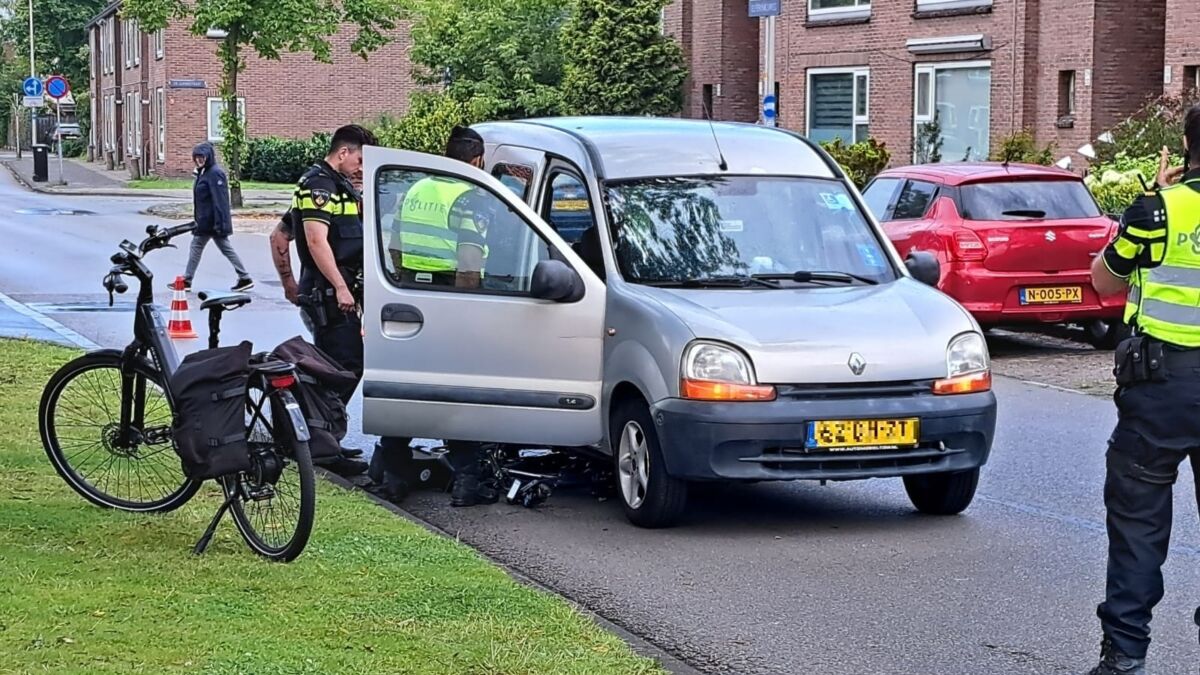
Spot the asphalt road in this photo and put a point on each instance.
(768, 578)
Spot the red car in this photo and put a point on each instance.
(1015, 242)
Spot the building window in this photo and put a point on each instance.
(819, 9)
(959, 95)
(1191, 81)
(159, 40)
(214, 117)
(1066, 93)
(135, 35)
(138, 138)
(707, 102)
(938, 5)
(838, 104)
(160, 122)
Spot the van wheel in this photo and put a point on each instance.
(651, 498)
(1107, 334)
(942, 494)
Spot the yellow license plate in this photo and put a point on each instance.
(1052, 295)
(862, 434)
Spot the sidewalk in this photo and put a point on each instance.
(85, 178)
(18, 321)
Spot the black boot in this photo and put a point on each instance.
(465, 491)
(387, 481)
(346, 467)
(1113, 662)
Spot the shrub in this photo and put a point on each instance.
(74, 147)
(1116, 184)
(861, 161)
(1021, 147)
(1145, 132)
(282, 160)
(928, 143)
(427, 126)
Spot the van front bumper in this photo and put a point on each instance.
(766, 440)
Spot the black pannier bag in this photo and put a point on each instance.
(322, 385)
(210, 411)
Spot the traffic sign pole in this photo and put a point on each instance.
(771, 67)
(58, 88)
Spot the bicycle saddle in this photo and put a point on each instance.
(210, 299)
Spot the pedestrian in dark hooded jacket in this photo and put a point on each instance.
(213, 215)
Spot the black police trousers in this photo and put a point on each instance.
(1158, 427)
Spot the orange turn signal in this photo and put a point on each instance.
(964, 384)
(700, 390)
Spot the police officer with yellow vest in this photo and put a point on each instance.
(1156, 255)
(438, 240)
(327, 225)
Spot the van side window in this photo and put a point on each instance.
(914, 200)
(567, 207)
(515, 177)
(447, 233)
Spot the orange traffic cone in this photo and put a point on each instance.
(180, 325)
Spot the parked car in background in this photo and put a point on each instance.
(1015, 242)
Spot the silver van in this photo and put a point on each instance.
(701, 302)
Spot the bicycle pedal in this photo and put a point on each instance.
(261, 494)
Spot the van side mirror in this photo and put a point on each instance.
(555, 280)
(924, 267)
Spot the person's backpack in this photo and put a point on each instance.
(322, 384)
(209, 428)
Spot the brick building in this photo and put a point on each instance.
(155, 96)
(1065, 69)
(1181, 72)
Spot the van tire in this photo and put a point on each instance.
(635, 446)
(942, 494)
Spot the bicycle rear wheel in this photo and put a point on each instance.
(274, 502)
(79, 419)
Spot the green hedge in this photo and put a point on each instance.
(282, 160)
(861, 161)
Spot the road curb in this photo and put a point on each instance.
(97, 192)
(62, 331)
(640, 645)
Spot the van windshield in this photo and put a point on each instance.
(689, 229)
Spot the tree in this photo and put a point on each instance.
(268, 28)
(499, 58)
(618, 62)
(59, 39)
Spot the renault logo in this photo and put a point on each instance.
(857, 363)
(1050, 236)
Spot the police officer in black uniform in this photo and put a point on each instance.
(1156, 257)
(328, 229)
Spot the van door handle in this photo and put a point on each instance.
(401, 321)
(401, 314)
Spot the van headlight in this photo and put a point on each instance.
(717, 372)
(967, 369)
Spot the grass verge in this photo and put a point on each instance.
(186, 184)
(86, 590)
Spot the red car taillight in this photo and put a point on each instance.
(966, 246)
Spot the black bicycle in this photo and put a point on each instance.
(106, 423)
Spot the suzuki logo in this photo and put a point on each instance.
(1050, 236)
(857, 363)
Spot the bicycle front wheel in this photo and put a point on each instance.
(274, 502)
(80, 423)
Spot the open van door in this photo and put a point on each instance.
(513, 355)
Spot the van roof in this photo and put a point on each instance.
(620, 148)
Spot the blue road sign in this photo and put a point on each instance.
(769, 106)
(32, 86)
(760, 8)
(57, 87)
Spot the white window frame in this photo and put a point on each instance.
(931, 69)
(860, 8)
(855, 119)
(125, 43)
(127, 118)
(160, 117)
(160, 40)
(936, 5)
(136, 32)
(139, 131)
(214, 135)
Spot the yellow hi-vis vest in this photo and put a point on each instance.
(1165, 300)
(428, 240)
